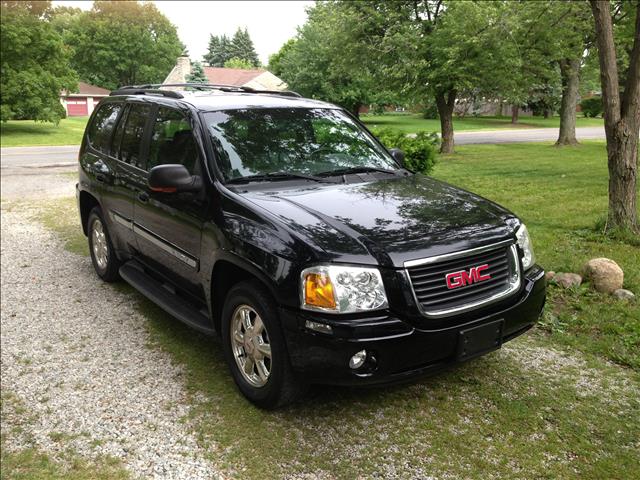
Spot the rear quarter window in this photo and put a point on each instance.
(101, 129)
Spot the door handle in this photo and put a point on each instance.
(101, 178)
(143, 197)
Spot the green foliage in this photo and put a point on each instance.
(218, 52)
(318, 63)
(197, 74)
(35, 64)
(591, 107)
(276, 65)
(236, 62)
(419, 149)
(240, 47)
(430, 111)
(123, 43)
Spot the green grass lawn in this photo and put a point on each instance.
(412, 123)
(560, 402)
(26, 133)
(561, 194)
(23, 133)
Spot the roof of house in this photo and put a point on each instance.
(231, 76)
(86, 90)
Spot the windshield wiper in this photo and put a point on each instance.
(346, 171)
(276, 176)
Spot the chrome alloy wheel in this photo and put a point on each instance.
(250, 345)
(99, 242)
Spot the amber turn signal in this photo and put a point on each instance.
(319, 291)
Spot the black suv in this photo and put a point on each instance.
(282, 225)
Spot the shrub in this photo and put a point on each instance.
(430, 112)
(591, 107)
(419, 149)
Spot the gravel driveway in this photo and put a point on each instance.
(75, 357)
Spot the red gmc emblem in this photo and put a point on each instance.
(462, 278)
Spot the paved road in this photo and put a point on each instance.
(26, 160)
(23, 160)
(524, 135)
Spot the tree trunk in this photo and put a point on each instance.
(445, 111)
(622, 156)
(515, 112)
(570, 72)
(621, 119)
(355, 110)
(547, 113)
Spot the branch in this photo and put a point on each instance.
(435, 15)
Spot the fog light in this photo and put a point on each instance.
(358, 360)
(318, 327)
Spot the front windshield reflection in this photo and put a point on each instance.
(251, 142)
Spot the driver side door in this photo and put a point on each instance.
(168, 226)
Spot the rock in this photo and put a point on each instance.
(622, 294)
(549, 276)
(604, 274)
(567, 280)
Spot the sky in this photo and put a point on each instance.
(270, 23)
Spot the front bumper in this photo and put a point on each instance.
(401, 351)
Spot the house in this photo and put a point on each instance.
(258, 79)
(82, 103)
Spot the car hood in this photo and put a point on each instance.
(386, 222)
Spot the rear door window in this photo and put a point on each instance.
(133, 135)
(101, 129)
(172, 141)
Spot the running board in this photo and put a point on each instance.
(165, 297)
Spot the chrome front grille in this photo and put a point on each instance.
(438, 298)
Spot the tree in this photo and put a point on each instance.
(242, 48)
(219, 50)
(197, 74)
(276, 60)
(123, 43)
(35, 64)
(621, 116)
(236, 62)
(319, 61)
(426, 48)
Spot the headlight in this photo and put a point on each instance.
(524, 242)
(337, 289)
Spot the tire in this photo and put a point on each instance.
(280, 386)
(103, 255)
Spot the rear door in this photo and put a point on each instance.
(168, 226)
(99, 163)
(129, 149)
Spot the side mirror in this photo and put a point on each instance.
(173, 179)
(398, 155)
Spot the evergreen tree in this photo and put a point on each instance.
(243, 49)
(219, 50)
(197, 74)
(240, 47)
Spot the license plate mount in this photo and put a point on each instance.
(476, 341)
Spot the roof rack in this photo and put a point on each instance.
(155, 89)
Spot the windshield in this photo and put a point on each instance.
(255, 142)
